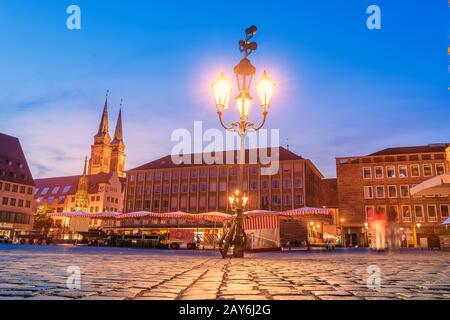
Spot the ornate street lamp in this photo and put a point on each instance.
(244, 72)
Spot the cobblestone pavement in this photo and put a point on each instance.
(31, 272)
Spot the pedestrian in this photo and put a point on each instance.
(288, 244)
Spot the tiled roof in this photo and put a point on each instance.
(439, 147)
(166, 162)
(62, 186)
(13, 164)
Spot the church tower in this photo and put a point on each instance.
(118, 148)
(101, 149)
(82, 194)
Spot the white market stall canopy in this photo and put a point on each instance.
(435, 186)
(258, 219)
(446, 222)
(210, 216)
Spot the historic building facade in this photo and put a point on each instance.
(381, 183)
(16, 188)
(101, 186)
(163, 186)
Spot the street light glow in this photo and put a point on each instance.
(244, 104)
(265, 88)
(222, 92)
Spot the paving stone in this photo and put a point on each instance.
(116, 273)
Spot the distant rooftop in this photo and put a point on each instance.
(438, 147)
(166, 162)
(62, 186)
(13, 164)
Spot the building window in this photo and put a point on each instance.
(132, 177)
(418, 212)
(185, 174)
(223, 186)
(298, 199)
(157, 189)
(213, 187)
(264, 184)
(223, 172)
(432, 214)
(175, 175)
(404, 191)
(392, 191)
(440, 169)
(22, 189)
(194, 174)
(12, 202)
(141, 176)
(444, 210)
(298, 183)
(287, 183)
(275, 184)
(276, 200)
(379, 172)
(380, 192)
(184, 188)
(390, 172)
(233, 172)
(203, 173)
(28, 204)
(175, 188)
(213, 172)
(148, 190)
(393, 213)
(253, 185)
(203, 187)
(415, 171)
(403, 171)
(66, 189)
(156, 204)
(193, 187)
(44, 191)
(149, 176)
(166, 176)
(367, 173)
(368, 192)
(287, 200)
(427, 172)
(165, 204)
(406, 213)
(20, 204)
(264, 202)
(370, 211)
(157, 176)
(166, 189)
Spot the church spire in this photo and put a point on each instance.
(103, 128)
(118, 134)
(85, 166)
(82, 194)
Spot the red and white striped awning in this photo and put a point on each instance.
(210, 216)
(103, 215)
(261, 222)
(68, 214)
(307, 212)
(134, 215)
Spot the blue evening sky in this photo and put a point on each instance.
(342, 89)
